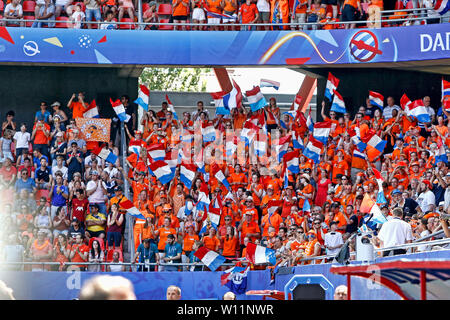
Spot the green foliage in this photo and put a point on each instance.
(174, 79)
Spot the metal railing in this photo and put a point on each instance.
(300, 25)
(419, 242)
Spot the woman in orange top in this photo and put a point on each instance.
(62, 251)
(230, 243)
(211, 241)
(180, 11)
(163, 233)
(189, 239)
(238, 178)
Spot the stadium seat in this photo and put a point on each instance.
(127, 26)
(28, 23)
(165, 27)
(1, 5)
(28, 6)
(164, 9)
(410, 5)
(42, 193)
(61, 24)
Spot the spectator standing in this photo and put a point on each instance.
(108, 23)
(41, 135)
(248, 13)
(214, 6)
(395, 232)
(114, 223)
(44, 12)
(78, 107)
(128, 7)
(6, 147)
(333, 240)
(59, 195)
(147, 252)
(198, 13)
(21, 140)
(350, 12)
(172, 253)
(230, 8)
(180, 9)
(74, 161)
(92, 11)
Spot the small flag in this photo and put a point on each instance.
(338, 103)
(233, 99)
(162, 171)
(405, 102)
(322, 131)
(211, 259)
(282, 146)
(292, 162)
(375, 145)
(171, 108)
(265, 83)
(442, 6)
(218, 102)
(445, 88)
(212, 219)
(187, 174)
(331, 86)
(119, 109)
(297, 142)
(143, 97)
(369, 206)
(257, 254)
(91, 111)
(235, 279)
(417, 109)
(256, 99)
(376, 99)
(131, 209)
(208, 132)
(313, 149)
(105, 154)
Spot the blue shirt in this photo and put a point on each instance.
(147, 253)
(20, 184)
(46, 115)
(171, 250)
(57, 199)
(37, 161)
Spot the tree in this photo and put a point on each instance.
(174, 79)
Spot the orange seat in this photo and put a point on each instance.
(165, 27)
(164, 9)
(28, 6)
(42, 193)
(127, 26)
(61, 24)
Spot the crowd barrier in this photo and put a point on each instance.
(195, 285)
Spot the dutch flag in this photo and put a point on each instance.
(381, 199)
(256, 99)
(157, 152)
(219, 103)
(171, 159)
(338, 103)
(187, 174)
(131, 209)
(376, 99)
(322, 131)
(297, 142)
(441, 155)
(257, 254)
(208, 132)
(162, 171)
(417, 109)
(313, 149)
(442, 6)
(233, 99)
(265, 83)
(105, 154)
(203, 199)
(198, 161)
(212, 219)
(445, 88)
(291, 160)
(369, 206)
(91, 111)
(310, 122)
(119, 109)
(221, 177)
(143, 97)
(249, 131)
(375, 146)
(260, 145)
(331, 86)
(231, 145)
(282, 146)
(405, 102)
(356, 139)
(297, 101)
(210, 258)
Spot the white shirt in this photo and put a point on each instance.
(425, 199)
(88, 161)
(22, 138)
(333, 239)
(395, 232)
(263, 6)
(446, 199)
(387, 111)
(63, 170)
(97, 196)
(11, 10)
(111, 172)
(424, 247)
(430, 4)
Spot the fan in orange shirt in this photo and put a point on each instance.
(78, 107)
(271, 220)
(163, 233)
(210, 240)
(230, 243)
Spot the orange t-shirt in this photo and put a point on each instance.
(40, 137)
(188, 241)
(229, 247)
(180, 9)
(248, 12)
(353, 3)
(163, 233)
(214, 6)
(77, 109)
(251, 227)
(211, 243)
(274, 221)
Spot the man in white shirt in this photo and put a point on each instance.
(59, 166)
(96, 191)
(395, 232)
(333, 240)
(92, 157)
(387, 111)
(21, 139)
(426, 199)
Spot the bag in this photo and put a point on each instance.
(312, 18)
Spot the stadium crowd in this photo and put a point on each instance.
(322, 14)
(61, 202)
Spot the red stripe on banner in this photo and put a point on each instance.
(297, 60)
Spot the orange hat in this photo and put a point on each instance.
(329, 15)
(167, 207)
(415, 163)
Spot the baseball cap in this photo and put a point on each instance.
(94, 172)
(60, 134)
(56, 103)
(167, 207)
(396, 191)
(117, 188)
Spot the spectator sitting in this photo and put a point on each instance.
(315, 13)
(44, 12)
(150, 16)
(13, 10)
(248, 13)
(61, 223)
(115, 267)
(126, 6)
(24, 182)
(63, 6)
(95, 223)
(96, 255)
(108, 23)
(326, 25)
(110, 5)
(75, 229)
(5, 146)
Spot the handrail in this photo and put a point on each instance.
(290, 24)
(378, 250)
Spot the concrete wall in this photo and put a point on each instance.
(22, 88)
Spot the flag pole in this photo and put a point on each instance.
(128, 218)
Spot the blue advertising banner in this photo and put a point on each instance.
(280, 48)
